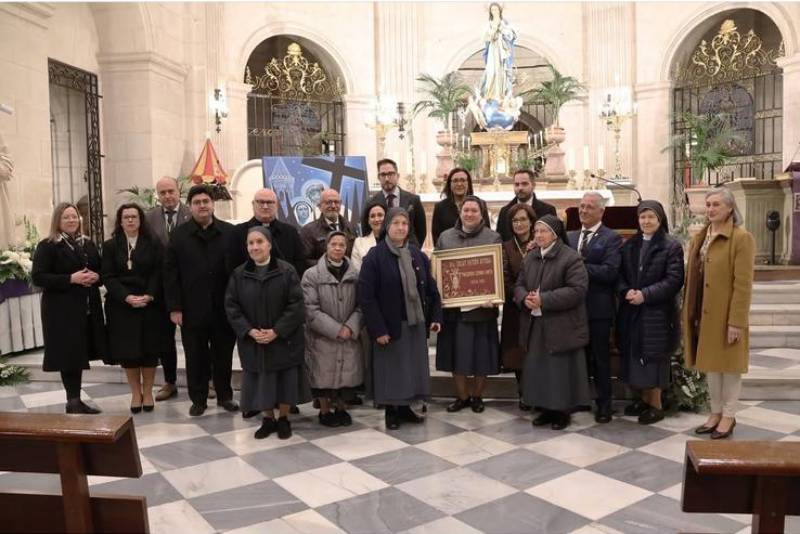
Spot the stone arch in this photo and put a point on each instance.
(473, 45)
(694, 27)
(138, 21)
(317, 43)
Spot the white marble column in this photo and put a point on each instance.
(791, 107)
(397, 67)
(609, 61)
(653, 166)
(24, 86)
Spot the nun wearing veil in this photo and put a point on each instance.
(550, 291)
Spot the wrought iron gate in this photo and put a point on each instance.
(84, 83)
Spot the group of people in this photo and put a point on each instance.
(322, 313)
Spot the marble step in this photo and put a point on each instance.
(759, 384)
(774, 336)
(776, 293)
(774, 314)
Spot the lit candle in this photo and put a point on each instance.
(586, 161)
(571, 159)
(601, 157)
(529, 142)
(541, 139)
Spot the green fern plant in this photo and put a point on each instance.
(556, 92)
(443, 96)
(144, 196)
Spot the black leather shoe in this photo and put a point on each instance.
(603, 415)
(650, 416)
(459, 404)
(636, 408)
(561, 420)
(405, 413)
(328, 419)
(77, 406)
(294, 410)
(197, 409)
(229, 405)
(477, 405)
(716, 434)
(343, 417)
(250, 413)
(392, 420)
(267, 427)
(284, 428)
(705, 429)
(148, 407)
(136, 409)
(544, 418)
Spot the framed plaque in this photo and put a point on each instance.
(469, 276)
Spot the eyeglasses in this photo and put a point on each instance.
(201, 201)
(264, 203)
(332, 202)
(391, 174)
(520, 221)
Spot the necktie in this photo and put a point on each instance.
(170, 221)
(585, 242)
(390, 200)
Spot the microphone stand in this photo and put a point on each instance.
(621, 186)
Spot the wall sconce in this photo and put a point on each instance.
(220, 108)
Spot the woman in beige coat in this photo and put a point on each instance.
(333, 323)
(716, 308)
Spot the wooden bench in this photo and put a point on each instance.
(761, 478)
(73, 446)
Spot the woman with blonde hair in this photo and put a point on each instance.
(66, 266)
(716, 308)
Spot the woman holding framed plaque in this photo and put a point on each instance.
(468, 345)
(522, 219)
(550, 292)
(399, 303)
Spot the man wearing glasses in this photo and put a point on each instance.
(392, 196)
(286, 242)
(315, 233)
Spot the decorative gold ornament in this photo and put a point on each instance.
(730, 56)
(294, 77)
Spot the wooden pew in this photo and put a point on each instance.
(73, 446)
(761, 478)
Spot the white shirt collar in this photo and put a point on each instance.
(548, 248)
(594, 228)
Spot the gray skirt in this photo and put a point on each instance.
(559, 381)
(466, 348)
(653, 374)
(264, 391)
(400, 369)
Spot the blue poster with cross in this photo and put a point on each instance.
(298, 182)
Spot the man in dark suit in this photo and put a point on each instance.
(195, 279)
(286, 242)
(162, 220)
(315, 233)
(524, 181)
(391, 196)
(600, 248)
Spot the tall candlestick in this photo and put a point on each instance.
(541, 139)
(529, 142)
(571, 159)
(586, 162)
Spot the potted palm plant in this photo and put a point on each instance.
(554, 94)
(708, 140)
(443, 96)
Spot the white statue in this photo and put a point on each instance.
(6, 218)
(498, 56)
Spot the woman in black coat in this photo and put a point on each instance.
(399, 303)
(265, 307)
(651, 276)
(66, 266)
(446, 212)
(135, 312)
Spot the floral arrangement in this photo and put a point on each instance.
(12, 374)
(16, 262)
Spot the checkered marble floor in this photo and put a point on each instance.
(457, 473)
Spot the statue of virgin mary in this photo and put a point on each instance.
(498, 56)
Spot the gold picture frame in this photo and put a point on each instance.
(450, 268)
